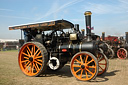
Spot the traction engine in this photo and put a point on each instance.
(48, 47)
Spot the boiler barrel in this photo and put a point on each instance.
(83, 46)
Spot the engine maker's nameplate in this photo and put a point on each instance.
(33, 25)
(61, 24)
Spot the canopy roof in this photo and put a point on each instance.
(52, 25)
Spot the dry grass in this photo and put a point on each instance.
(10, 74)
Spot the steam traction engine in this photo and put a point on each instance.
(111, 42)
(122, 51)
(117, 45)
(44, 50)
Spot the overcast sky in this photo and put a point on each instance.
(110, 16)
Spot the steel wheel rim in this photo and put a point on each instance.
(122, 53)
(102, 63)
(85, 71)
(30, 59)
(111, 52)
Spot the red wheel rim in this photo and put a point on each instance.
(83, 67)
(30, 59)
(122, 53)
(102, 63)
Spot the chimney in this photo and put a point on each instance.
(83, 32)
(88, 24)
(77, 27)
(103, 36)
(126, 33)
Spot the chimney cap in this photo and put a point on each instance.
(82, 30)
(126, 32)
(87, 13)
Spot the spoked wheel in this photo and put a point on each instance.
(32, 58)
(110, 53)
(122, 53)
(84, 66)
(103, 63)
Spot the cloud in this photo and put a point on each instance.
(55, 8)
(121, 6)
(16, 17)
(5, 9)
(124, 1)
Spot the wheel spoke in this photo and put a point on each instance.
(101, 67)
(25, 54)
(98, 55)
(89, 71)
(32, 50)
(39, 60)
(81, 73)
(29, 50)
(92, 66)
(38, 57)
(27, 67)
(38, 63)
(101, 59)
(90, 61)
(86, 59)
(36, 52)
(27, 63)
(81, 59)
(35, 67)
(78, 61)
(86, 74)
(76, 65)
(30, 67)
(28, 53)
(26, 57)
(24, 61)
(77, 70)
(102, 64)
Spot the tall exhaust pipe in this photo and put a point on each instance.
(77, 27)
(83, 32)
(126, 33)
(88, 24)
(103, 36)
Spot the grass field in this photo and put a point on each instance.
(10, 73)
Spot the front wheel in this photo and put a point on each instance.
(84, 66)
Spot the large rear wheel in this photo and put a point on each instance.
(84, 66)
(33, 58)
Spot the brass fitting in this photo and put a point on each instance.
(103, 32)
(82, 30)
(87, 13)
(126, 32)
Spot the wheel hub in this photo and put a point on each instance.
(31, 59)
(82, 66)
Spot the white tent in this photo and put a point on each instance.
(8, 40)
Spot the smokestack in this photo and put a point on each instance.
(83, 32)
(88, 24)
(77, 27)
(103, 36)
(126, 33)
